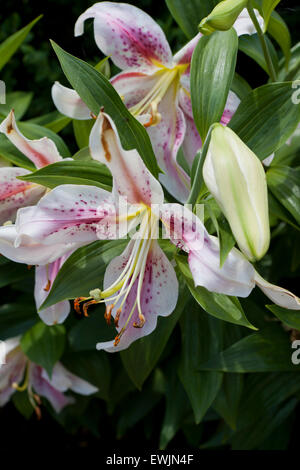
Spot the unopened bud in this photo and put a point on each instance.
(223, 16)
(236, 178)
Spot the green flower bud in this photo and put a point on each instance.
(222, 16)
(236, 178)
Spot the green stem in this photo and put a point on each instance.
(262, 39)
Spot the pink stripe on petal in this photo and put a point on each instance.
(184, 55)
(133, 86)
(166, 138)
(41, 152)
(15, 193)
(128, 35)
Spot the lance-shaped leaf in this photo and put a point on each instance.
(96, 91)
(19, 101)
(201, 339)
(284, 183)
(265, 350)
(11, 44)
(72, 172)
(83, 271)
(266, 118)
(251, 45)
(290, 317)
(189, 14)
(212, 70)
(222, 306)
(267, 8)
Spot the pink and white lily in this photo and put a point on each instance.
(18, 373)
(15, 193)
(154, 84)
(140, 284)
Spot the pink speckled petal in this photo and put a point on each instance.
(278, 295)
(185, 230)
(41, 152)
(68, 214)
(192, 140)
(69, 103)
(43, 387)
(231, 106)
(127, 34)
(131, 177)
(44, 278)
(15, 193)
(158, 296)
(166, 138)
(133, 86)
(30, 252)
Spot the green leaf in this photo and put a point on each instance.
(266, 118)
(189, 14)
(142, 356)
(264, 351)
(212, 70)
(221, 306)
(19, 101)
(44, 345)
(72, 172)
(201, 339)
(293, 71)
(290, 317)
(283, 182)
(92, 366)
(83, 271)
(11, 44)
(22, 404)
(177, 406)
(277, 210)
(251, 45)
(278, 29)
(82, 130)
(83, 155)
(16, 318)
(13, 272)
(267, 8)
(96, 91)
(55, 121)
(228, 399)
(227, 240)
(240, 86)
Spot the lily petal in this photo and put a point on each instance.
(68, 214)
(63, 380)
(133, 86)
(159, 295)
(184, 55)
(127, 34)
(69, 103)
(166, 138)
(131, 177)
(236, 277)
(15, 193)
(41, 152)
(44, 388)
(31, 252)
(244, 24)
(231, 106)
(278, 295)
(44, 278)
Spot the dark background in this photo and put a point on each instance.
(35, 68)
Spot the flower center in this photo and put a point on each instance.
(132, 272)
(149, 104)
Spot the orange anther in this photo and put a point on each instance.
(107, 314)
(86, 306)
(48, 285)
(117, 318)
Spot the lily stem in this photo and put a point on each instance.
(262, 39)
